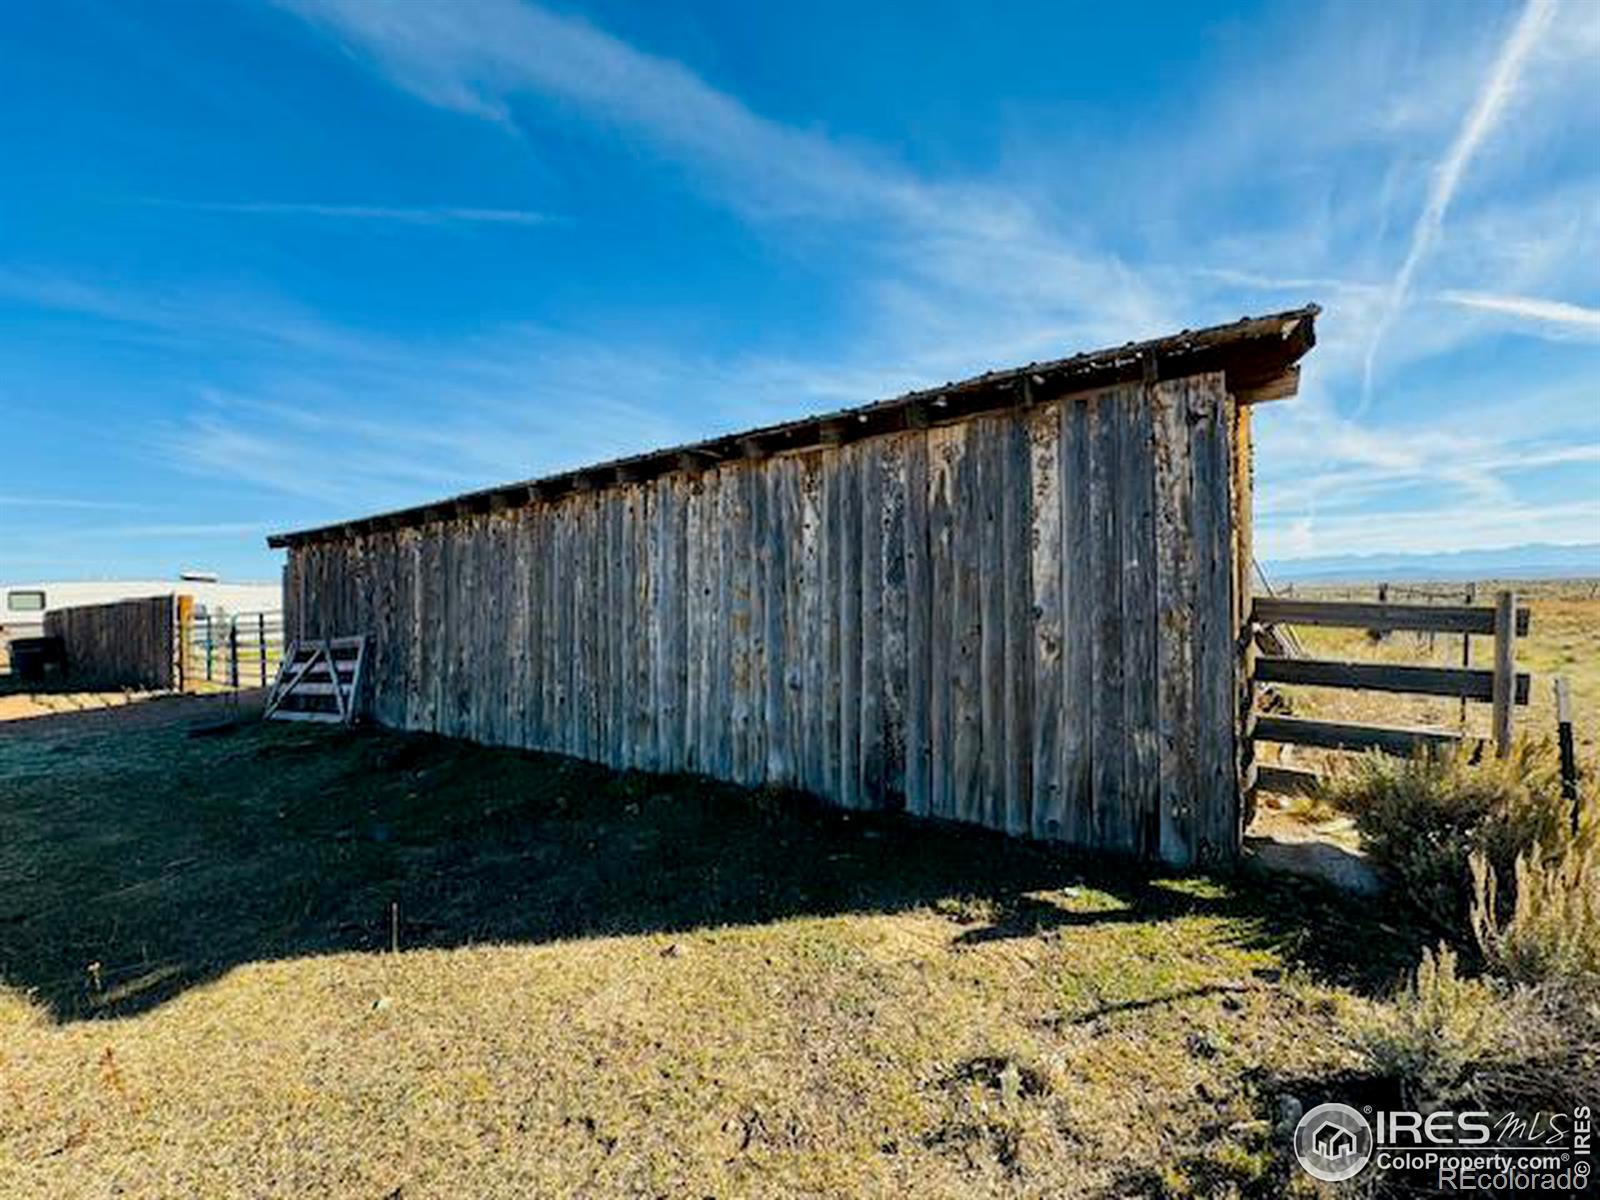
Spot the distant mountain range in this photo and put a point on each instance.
(1533, 560)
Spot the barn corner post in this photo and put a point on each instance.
(1219, 670)
(1248, 384)
(1020, 601)
(1243, 450)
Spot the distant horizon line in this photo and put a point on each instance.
(1506, 548)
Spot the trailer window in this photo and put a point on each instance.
(20, 601)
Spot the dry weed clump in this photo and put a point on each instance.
(1425, 817)
(1548, 930)
(1446, 1037)
(1496, 841)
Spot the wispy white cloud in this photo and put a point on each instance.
(201, 529)
(1526, 308)
(428, 215)
(424, 420)
(1492, 100)
(1475, 468)
(987, 252)
(1556, 312)
(181, 315)
(1320, 285)
(478, 56)
(1328, 482)
(151, 531)
(65, 502)
(949, 274)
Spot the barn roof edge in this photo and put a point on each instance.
(1258, 355)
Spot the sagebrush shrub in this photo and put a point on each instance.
(1548, 932)
(1442, 1034)
(1425, 817)
(1552, 1063)
(1446, 1039)
(1488, 846)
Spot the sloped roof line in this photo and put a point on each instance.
(1256, 353)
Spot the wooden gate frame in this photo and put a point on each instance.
(1505, 687)
(295, 679)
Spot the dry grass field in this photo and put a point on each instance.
(1563, 639)
(616, 985)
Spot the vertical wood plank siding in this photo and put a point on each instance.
(1026, 621)
(126, 643)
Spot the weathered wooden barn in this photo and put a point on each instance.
(1015, 601)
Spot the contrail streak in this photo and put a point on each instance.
(1480, 121)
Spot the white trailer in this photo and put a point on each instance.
(23, 604)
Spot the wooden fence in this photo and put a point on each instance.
(1025, 620)
(127, 643)
(161, 642)
(1503, 686)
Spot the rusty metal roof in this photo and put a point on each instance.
(1256, 353)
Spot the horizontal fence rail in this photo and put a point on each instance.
(1353, 614)
(1504, 686)
(230, 651)
(1338, 735)
(1466, 683)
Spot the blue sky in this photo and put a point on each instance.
(268, 265)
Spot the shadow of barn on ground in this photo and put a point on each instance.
(136, 865)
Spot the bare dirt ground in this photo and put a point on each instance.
(1310, 844)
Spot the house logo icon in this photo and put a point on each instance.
(1333, 1142)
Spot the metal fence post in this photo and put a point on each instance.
(208, 647)
(233, 652)
(261, 644)
(1569, 752)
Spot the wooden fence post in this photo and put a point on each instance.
(261, 644)
(185, 618)
(1505, 669)
(1569, 752)
(233, 653)
(1466, 650)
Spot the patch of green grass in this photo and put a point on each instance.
(615, 984)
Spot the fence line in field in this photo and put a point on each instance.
(1504, 687)
(163, 642)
